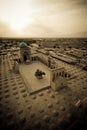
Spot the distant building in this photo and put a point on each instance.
(78, 52)
(34, 45)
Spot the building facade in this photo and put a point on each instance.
(58, 79)
(24, 52)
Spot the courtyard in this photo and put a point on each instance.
(32, 83)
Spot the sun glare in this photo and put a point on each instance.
(18, 25)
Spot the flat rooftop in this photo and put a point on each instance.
(32, 83)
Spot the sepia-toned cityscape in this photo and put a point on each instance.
(43, 65)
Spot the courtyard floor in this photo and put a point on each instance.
(32, 83)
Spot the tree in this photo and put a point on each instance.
(39, 73)
(54, 46)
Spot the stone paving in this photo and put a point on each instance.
(21, 111)
(32, 82)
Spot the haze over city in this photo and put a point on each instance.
(43, 18)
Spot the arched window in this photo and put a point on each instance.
(65, 74)
(62, 73)
(59, 73)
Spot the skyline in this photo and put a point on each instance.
(43, 18)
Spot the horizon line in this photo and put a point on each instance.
(37, 37)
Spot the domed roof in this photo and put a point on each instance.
(23, 45)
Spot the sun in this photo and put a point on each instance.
(19, 23)
(20, 20)
(18, 26)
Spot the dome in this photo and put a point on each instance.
(23, 45)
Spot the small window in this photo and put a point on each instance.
(59, 73)
(63, 74)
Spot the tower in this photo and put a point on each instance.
(57, 79)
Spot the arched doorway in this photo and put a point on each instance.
(25, 57)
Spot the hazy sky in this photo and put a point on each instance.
(43, 18)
